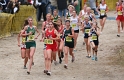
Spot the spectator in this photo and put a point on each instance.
(53, 5)
(41, 8)
(3, 3)
(1, 8)
(62, 7)
(92, 4)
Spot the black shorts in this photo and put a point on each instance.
(96, 42)
(86, 35)
(69, 44)
(76, 31)
(101, 17)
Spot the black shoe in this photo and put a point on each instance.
(60, 60)
(118, 35)
(32, 63)
(48, 73)
(62, 55)
(73, 58)
(25, 67)
(45, 71)
(28, 72)
(65, 66)
(88, 56)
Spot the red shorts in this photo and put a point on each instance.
(120, 18)
(52, 47)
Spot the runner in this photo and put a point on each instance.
(102, 10)
(120, 17)
(94, 34)
(45, 25)
(75, 22)
(60, 42)
(70, 11)
(83, 12)
(22, 45)
(51, 35)
(55, 15)
(30, 41)
(69, 42)
(91, 15)
(86, 25)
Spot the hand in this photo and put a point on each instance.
(18, 45)
(36, 37)
(30, 33)
(69, 35)
(41, 40)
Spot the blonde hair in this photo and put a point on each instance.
(86, 16)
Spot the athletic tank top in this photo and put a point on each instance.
(74, 22)
(103, 9)
(68, 15)
(49, 34)
(23, 38)
(30, 37)
(46, 25)
(60, 30)
(94, 36)
(87, 27)
(55, 18)
(66, 38)
(119, 10)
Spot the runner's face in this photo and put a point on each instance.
(71, 9)
(74, 13)
(55, 13)
(103, 2)
(86, 19)
(30, 21)
(67, 23)
(48, 17)
(50, 25)
(59, 22)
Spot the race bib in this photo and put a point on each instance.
(94, 37)
(68, 39)
(48, 41)
(30, 37)
(82, 17)
(102, 12)
(87, 31)
(23, 39)
(73, 25)
(119, 13)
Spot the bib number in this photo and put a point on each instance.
(94, 37)
(68, 39)
(87, 31)
(73, 25)
(23, 39)
(48, 41)
(102, 12)
(30, 38)
(119, 13)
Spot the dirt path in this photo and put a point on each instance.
(11, 64)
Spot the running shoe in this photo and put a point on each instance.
(60, 60)
(55, 62)
(45, 71)
(96, 59)
(73, 58)
(32, 63)
(65, 66)
(93, 58)
(48, 73)
(118, 35)
(28, 72)
(25, 67)
(62, 55)
(88, 56)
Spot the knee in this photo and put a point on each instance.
(23, 57)
(49, 59)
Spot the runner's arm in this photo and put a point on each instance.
(18, 39)
(37, 32)
(72, 30)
